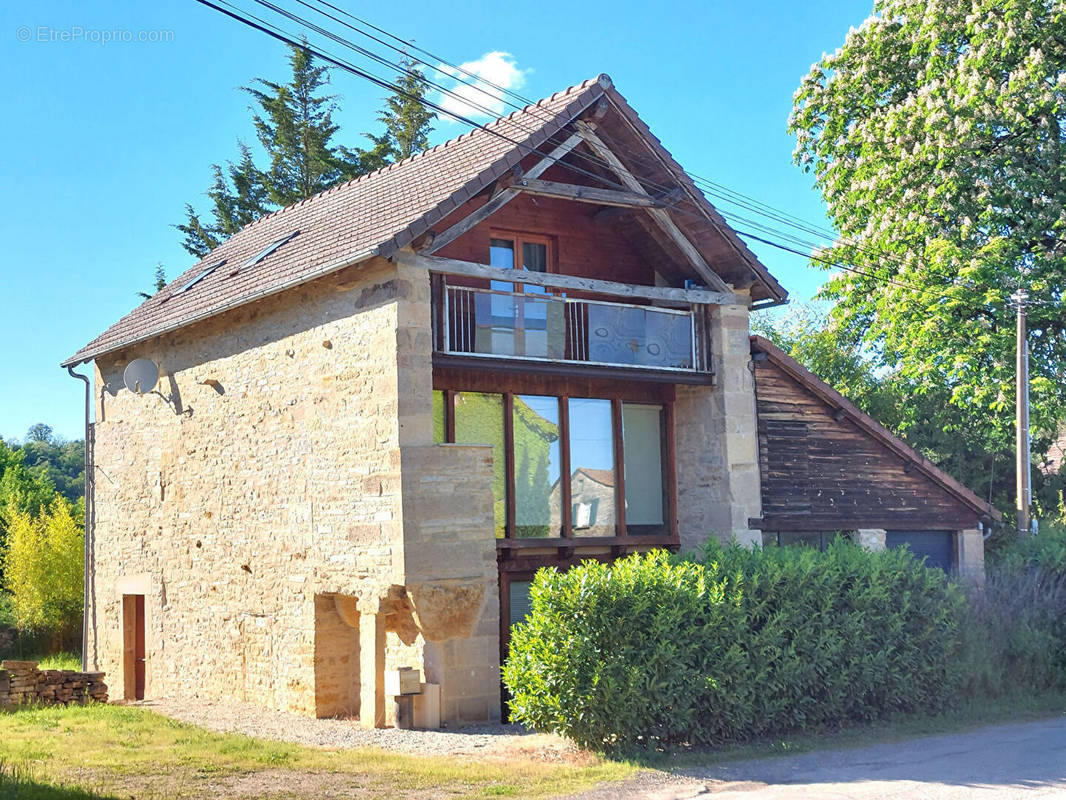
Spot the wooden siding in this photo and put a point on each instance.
(581, 245)
(819, 473)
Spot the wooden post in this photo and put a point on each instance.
(1024, 476)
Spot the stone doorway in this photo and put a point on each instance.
(337, 683)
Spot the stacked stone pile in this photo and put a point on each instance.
(21, 683)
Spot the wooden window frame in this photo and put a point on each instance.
(518, 238)
(564, 539)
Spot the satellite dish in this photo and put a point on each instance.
(141, 375)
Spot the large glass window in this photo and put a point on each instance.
(479, 420)
(592, 479)
(568, 462)
(642, 448)
(537, 465)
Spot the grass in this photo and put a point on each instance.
(103, 752)
(63, 660)
(110, 751)
(58, 661)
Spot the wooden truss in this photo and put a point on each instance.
(633, 196)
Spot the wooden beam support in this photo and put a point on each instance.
(586, 194)
(500, 198)
(452, 266)
(660, 215)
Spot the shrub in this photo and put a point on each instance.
(610, 653)
(43, 571)
(1045, 551)
(827, 638)
(1016, 626)
(654, 651)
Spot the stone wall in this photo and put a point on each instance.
(265, 472)
(275, 497)
(449, 544)
(970, 554)
(718, 487)
(21, 682)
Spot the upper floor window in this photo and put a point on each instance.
(519, 251)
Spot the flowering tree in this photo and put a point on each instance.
(935, 135)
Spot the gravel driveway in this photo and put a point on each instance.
(488, 741)
(1024, 760)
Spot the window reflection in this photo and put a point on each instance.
(642, 454)
(479, 420)
(592, 480)
(537, 462)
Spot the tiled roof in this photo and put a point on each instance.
(383, 211)
(604, 477)
(386, 210)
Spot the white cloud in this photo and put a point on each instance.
(483, 97)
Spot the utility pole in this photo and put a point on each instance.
(1024, 477)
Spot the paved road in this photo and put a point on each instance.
(1025, 760)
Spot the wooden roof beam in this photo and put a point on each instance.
(586, 194)
(660, 215)
(629, 291)
(500, 198)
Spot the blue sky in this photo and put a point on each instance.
(105, 141)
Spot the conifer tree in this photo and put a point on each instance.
(159, 280)
(294, 125)
(408, 122)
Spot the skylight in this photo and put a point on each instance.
(199, 277)
(266, 251)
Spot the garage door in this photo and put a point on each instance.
(936, 547)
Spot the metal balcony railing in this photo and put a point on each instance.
(544, 327)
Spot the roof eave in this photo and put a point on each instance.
(89, 354)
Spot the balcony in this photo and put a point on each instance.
(542, 327)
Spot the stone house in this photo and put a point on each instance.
(368, 399)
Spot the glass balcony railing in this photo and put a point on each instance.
(545, 327)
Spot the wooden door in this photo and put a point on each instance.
(134, 650)
(138, 647)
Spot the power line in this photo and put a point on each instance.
(748, 203)
(751, 204)
(261, 25)
(839, 265)
(716, 190)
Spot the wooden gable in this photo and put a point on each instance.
(827, 466)
(585, 242)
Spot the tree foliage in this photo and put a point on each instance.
(407, 120)
(935, 137)
(51, 463)
(34, 474)
(294, 125)
(43, 570)
(159, 280)
(21, 487)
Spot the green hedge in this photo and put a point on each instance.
(655, 651)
